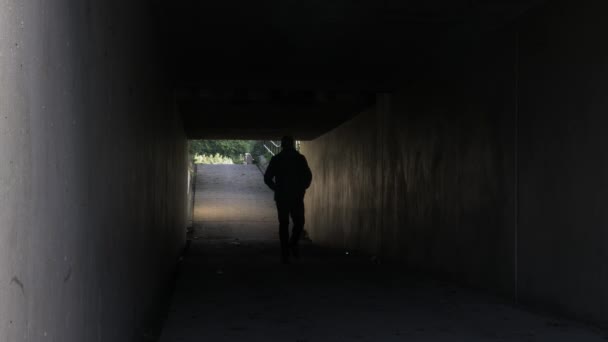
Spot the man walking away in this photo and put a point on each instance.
(288, 175)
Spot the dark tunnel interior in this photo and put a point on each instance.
(321, 62)
(457, 151)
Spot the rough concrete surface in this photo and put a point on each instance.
(563, 174)
(232, 286)
(492, 169)
(92, 172)
(230, 199)
(426, 176)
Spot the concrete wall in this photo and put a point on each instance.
(426, 176)
(494, 174)
(93, 174)
(563, 160)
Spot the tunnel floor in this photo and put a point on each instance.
(232, 286)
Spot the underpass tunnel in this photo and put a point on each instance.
(463, 140)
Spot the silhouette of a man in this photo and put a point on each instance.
(288, 175)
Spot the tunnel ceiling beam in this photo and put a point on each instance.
(315, 46)
(265, 114)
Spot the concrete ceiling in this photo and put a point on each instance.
(257, 69)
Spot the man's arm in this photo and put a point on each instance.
(269, 175)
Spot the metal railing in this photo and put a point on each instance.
(275, 147)
(272, 147)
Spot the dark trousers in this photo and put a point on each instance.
(295, 209)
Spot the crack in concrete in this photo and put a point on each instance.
(18, 282)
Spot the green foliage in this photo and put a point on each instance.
(233, 149)
(212, 159)
(229, 149)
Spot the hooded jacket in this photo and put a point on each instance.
(288, 175)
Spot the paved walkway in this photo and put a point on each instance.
(232, 286)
